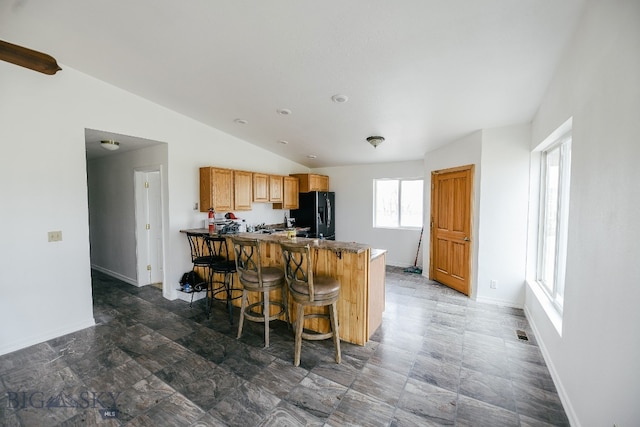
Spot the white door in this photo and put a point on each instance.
(149, 227)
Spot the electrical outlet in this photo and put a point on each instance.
(494, 284)
(55, 236)
(195, 206)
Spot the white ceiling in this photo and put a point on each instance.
(421, 73)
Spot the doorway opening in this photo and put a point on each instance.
(126, 220)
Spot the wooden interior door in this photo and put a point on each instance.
(451, 205)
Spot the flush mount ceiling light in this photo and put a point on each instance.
(109, 144)
(375, 140)
(339, 98)
(284, 111)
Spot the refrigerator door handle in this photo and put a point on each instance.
(329, 212)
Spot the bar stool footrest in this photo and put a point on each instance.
(223, 289)
(316, 336)
(255, 316)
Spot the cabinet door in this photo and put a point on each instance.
(291, 191)
(216, 189)
(319, 182)
(223, 184)
(206, 189)
(312, 182)
(275, 188)
(260, 187)
(242, 184)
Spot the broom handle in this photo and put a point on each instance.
(415, 263)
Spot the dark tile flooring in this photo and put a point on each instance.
(439, 358)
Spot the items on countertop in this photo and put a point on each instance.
(229, 223)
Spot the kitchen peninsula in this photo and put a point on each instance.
(360, 270)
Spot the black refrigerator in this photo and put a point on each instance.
(317, 211)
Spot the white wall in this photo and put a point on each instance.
(354, 208)
(44, 287)
(596, 360)
(43, 187)
(502, 233)
(465, 151)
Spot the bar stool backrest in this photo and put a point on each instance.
(297, 266)
(198, 247)
(247, 252)
(217, 247)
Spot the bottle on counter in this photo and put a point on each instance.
(243, 226)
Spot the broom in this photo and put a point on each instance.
(415, 268)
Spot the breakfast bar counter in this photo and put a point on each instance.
(359, 269)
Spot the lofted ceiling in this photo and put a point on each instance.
(420, 73)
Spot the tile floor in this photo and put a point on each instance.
(438, 359)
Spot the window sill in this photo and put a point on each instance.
(552, 314)
(379, 227)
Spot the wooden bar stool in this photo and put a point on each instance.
(308, 290)
(222, 264)
(255, 277)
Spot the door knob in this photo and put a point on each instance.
(466, 239)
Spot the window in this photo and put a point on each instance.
(397, 203)
(555, 166)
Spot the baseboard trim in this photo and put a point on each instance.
(562, 393)
(118, 276)
(46, 336)
(500, 302)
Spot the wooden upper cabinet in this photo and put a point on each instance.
(229, 190)
(242, 185)
(290, 194)
(260, 187)
(216, 189)
(312, 182)
(275, 188)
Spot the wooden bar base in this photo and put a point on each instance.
(360, 270)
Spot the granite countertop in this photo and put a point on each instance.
(375, 253)
(276, 237)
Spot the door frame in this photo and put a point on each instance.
(139, 196)
(469, 261)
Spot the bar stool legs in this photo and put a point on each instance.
(248, 311)
(333, 313)
(309, 290)
(298, 339)
(258, 279)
